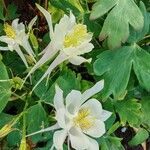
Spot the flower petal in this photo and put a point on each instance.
(60, 117)
(49, 53)
(94, 106)
(31, 23)
(105, 115)
(15, 23)
(77, 60)
(72, 20)
(58, 60)
(18, 27)
(93, 144)
(48, 19)
(20, 53)
(66, 23)
(6, 39)
(54, 127)
(78, 139)
(58, 98)
(73, 101)
(26, 45)
(79, 50)
(59, 138)
(4, 48)
(97, 130)
(92, 91)
(62, 28)
(59, 106)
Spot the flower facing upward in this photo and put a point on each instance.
(76, 36)
(83, 119)
(68, 39)
(79, 119)
(16, 37)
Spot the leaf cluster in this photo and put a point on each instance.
(121, 36)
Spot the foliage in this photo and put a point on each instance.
(121, 56)
(116, 25)
(116, 65)
(5, 87)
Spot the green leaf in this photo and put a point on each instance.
(77, 4)
(116, 25)
(65, 6)
(67, 81)
(139, 138)
(5, 118)
(1, 11)
(110, 143)
(141, 67)
(109, 105)
(11, 12)
(14, 63)
(113, 128)
(93, 26)
(36, 119)
(14, 138)
(129, 111)
(55, 13)
(115, 67)
(5, 87)
(136, 36)
(1, 27)
(145, 102)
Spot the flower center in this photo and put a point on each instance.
(83, 119)
(9, 31)
(76, 37)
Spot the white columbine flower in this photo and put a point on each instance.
(16, 37)
(78, 118)
(69, 39)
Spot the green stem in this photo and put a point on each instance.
(24, 120)
(24, 126)
(18, 96)
(17, 118)
(87, 6)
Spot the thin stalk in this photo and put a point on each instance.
(87, 6)
(46, 4)
(4, 5)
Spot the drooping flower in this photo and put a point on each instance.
(16, 37)
(78, 118)
(68, 39)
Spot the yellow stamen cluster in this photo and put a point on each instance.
(83, 119)
(76, 36)
(10, 32)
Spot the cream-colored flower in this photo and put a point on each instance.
(79, 119)
(16, 37)
(68, 39)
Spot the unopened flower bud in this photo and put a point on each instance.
(5, 130)
(17, 82)
(29, 59)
